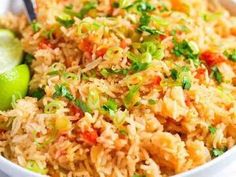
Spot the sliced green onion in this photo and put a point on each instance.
(132, 97)
(33, 166)
(93, 100)
(52, 107)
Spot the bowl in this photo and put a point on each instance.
(210, 169)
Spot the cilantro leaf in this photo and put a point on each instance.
(145, 7)
(65, 21)
(231, 55)
(138, 66)
(174, 74)
(186, 49)
(212, 129)
(62, 91)
(217, 152)
(151, 102)
(217, 75)
(111, 106)
(36, 26)
(82, 105)
(38, 93)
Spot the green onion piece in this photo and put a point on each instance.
(82, 105)
(123, 132)
(131, 98)
(62, 91)
(111, 106)
(212, 129)
(137, 66)
(155, 49)
(149, 30)
(65, 20)
(52, 107)
(186, 83)
(38, 93)
(217, 75)
(87, 7)
(33, 166)
(48, 33)
(93, 100)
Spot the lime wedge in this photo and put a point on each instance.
(11, 50)
(14, 85)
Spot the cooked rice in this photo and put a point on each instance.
(164, 129)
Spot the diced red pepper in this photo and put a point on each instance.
(86, 45)
(101, 52)
(212, 58)
(187, 100)
(45, 44)
(90, 136)
(156, 81)
(76, 111)
(123, 44)
(162, 37)
(200, 73)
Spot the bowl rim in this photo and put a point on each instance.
(6, 165)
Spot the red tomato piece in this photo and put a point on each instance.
(90, 136)
(200, 73)
(86, 45)
(45, 44)
(101, 52)
(212, 58)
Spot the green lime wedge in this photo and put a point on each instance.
(14, 85)
(11, 50)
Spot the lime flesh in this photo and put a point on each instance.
(11, 50)
(13, 85)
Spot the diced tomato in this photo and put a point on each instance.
(156, 81)
(90, 136)
(101, 52)
(86, 45)
(123, 44)
(162, 37)
(187, 100)
(212, 58)
(76, 111)
(45, 44)
(200, 73)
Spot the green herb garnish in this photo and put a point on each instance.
(36, 26)
(65, 21)
(186, 83)
(111, 106)
(231, 55)
(82, 105)
(212, 129)
(130, 98)
(217, 152)
(217, 75)
(38, 93)
(62, 91)
(151, 102)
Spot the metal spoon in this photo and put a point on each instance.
(29, 6)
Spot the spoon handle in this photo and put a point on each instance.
(30, 10)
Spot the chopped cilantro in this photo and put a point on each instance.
(145, 7)
(149, 30)
(62, 91)
(212, 129)
(187, 49)
(82, 105)
(87, 7)
(35, 26)
(144, 20)
(217, 152)
(38, 93)
(138, 175)
(115, 5)
(123, 132)
(138, 66)
(186, 83)
(231, 55)
(174, 74)
(217, 75)
(28, 58)
(151, 102)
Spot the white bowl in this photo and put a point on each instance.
(211, 169)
